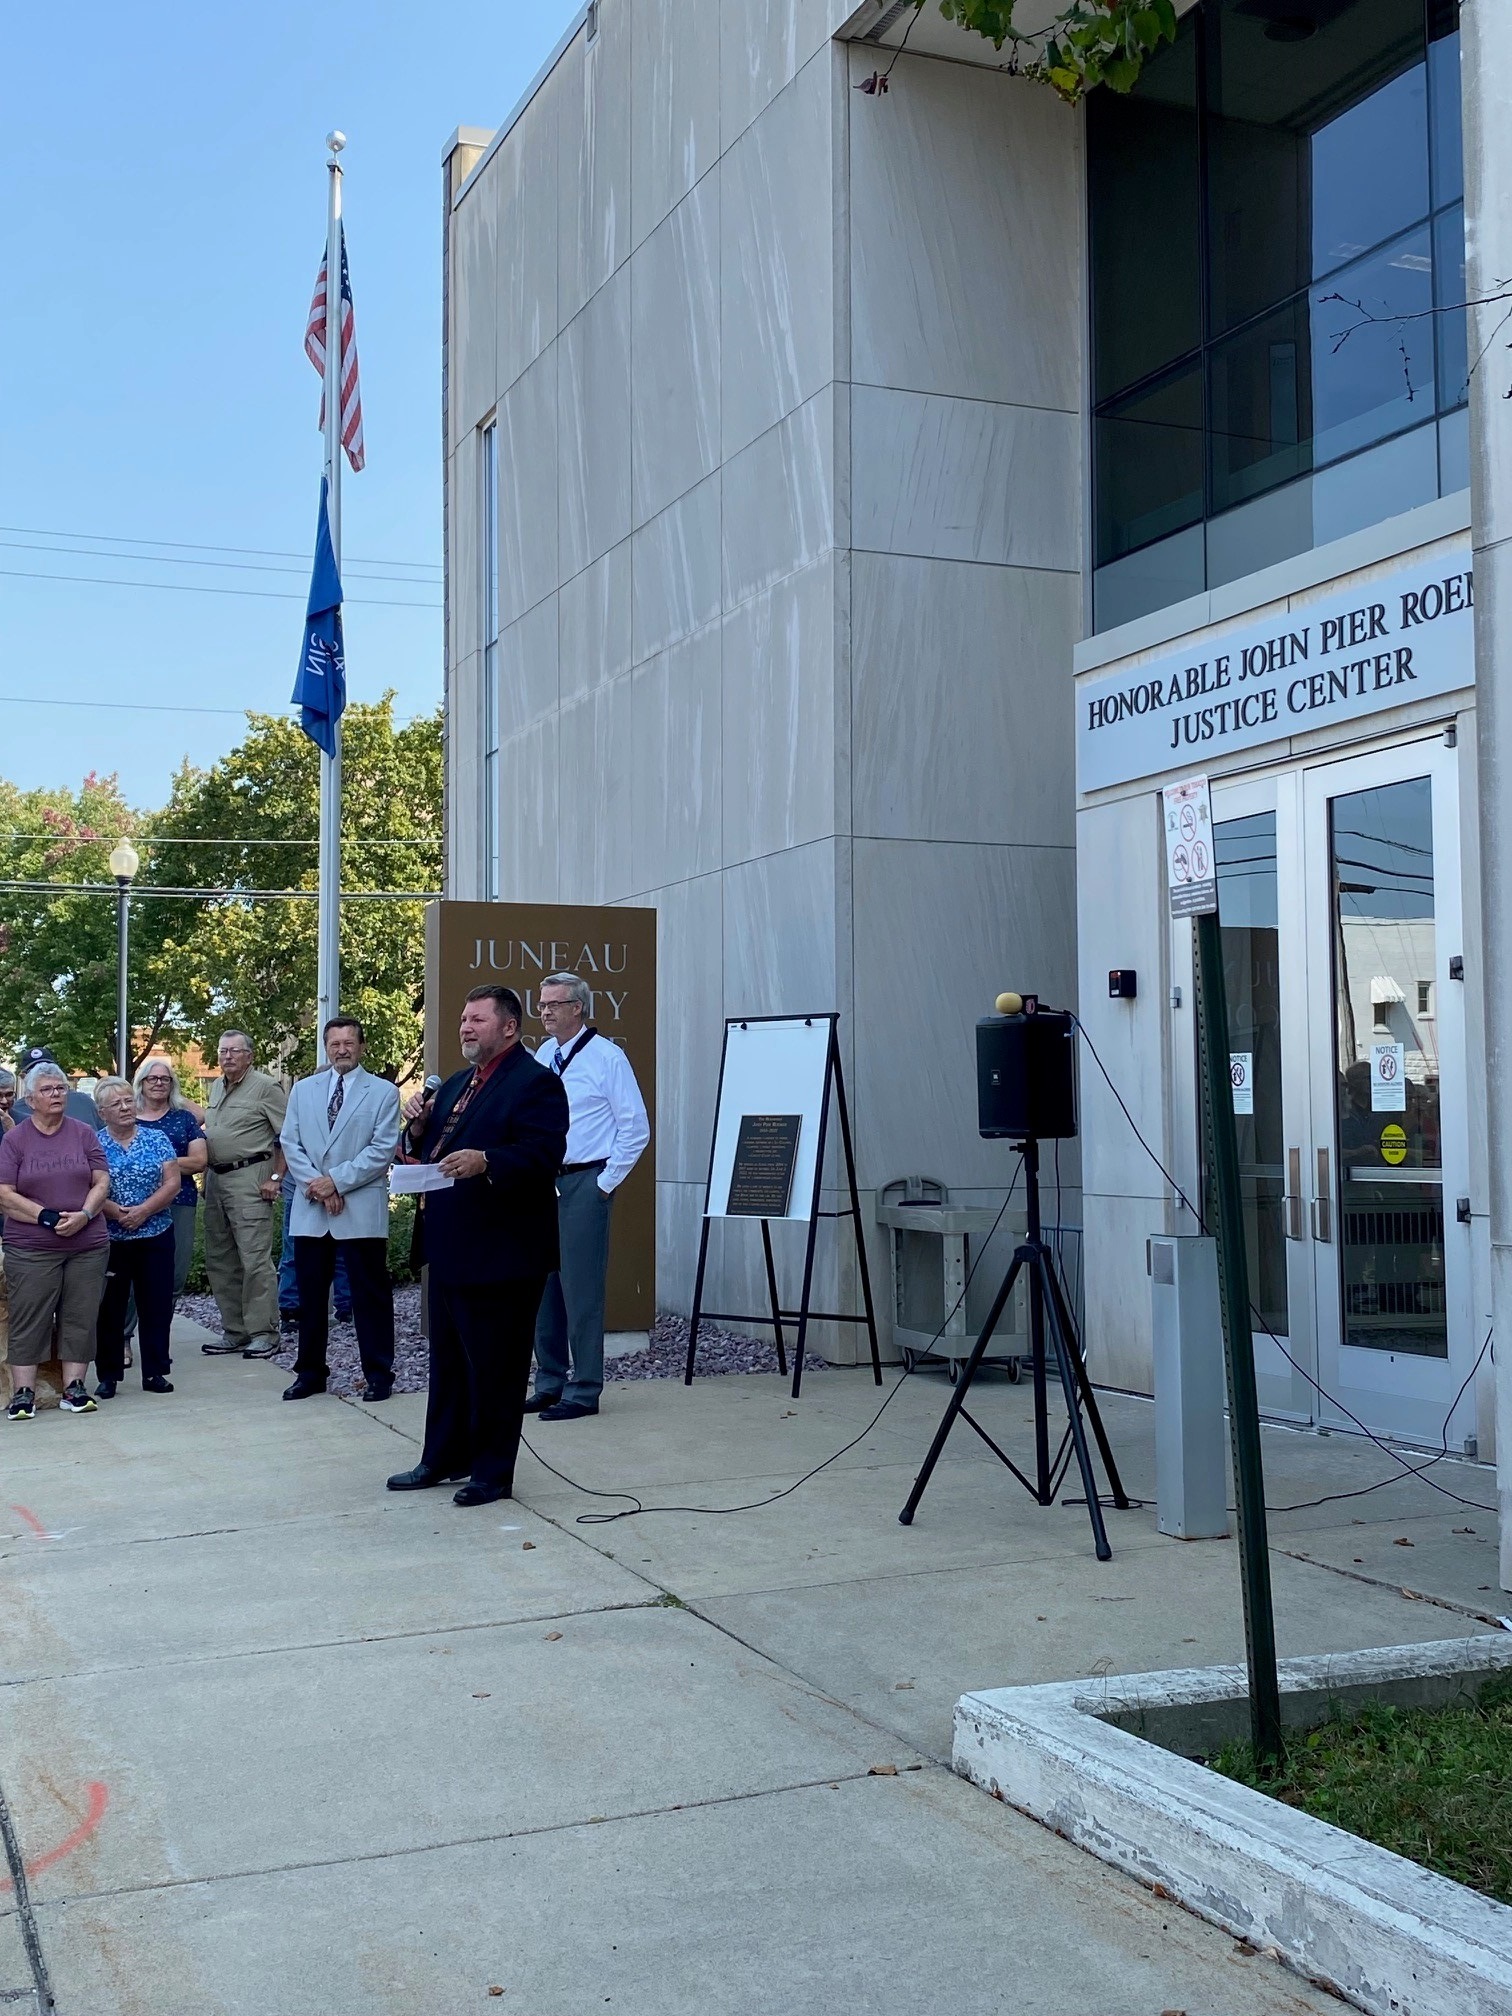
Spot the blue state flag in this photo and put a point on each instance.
(320, 689)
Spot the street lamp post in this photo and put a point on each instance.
(124, 862)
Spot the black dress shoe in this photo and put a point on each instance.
(539, 1402)
(303, 1388)
(106, 1390)
(480, 1494)
(569, 1410)
(418, 1479)
(374, 1391)
(157, 1384)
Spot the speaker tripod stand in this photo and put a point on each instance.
(1050, 1320)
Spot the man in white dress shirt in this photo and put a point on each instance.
(608, 1129)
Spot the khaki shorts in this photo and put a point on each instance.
(45, 1288)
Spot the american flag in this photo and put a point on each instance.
(315, 350)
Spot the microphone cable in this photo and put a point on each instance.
(635, 1508)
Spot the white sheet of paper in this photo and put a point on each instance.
(408, 1179)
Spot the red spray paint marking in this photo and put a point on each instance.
(99, 1799)
(32, 1520)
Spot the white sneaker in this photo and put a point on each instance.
(263, 1347)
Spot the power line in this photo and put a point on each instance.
(166, 707)
(177, 560)
(191, 546)
(195, 588)
(176, 840)
(215, 895)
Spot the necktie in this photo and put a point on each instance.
(336, 1097)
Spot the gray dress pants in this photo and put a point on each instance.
(570, 1324)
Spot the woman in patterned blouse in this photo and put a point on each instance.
(144, 1182)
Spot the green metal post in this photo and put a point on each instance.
(1238, 1337)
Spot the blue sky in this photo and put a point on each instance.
(164, 219)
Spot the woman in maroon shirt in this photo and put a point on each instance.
(53, 1181)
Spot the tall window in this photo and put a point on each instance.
(489, 575)
(1276, 212)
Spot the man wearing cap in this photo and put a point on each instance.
(77, 1106)
(242, 1126)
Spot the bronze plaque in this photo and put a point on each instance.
(766, 1153)
(469, 945)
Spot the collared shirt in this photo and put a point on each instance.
(244, 1119)
(607, 1120)
(481, 1073)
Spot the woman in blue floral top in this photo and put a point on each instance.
(144, 1182)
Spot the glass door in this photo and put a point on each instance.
(1390, 1152)
(1258, 853)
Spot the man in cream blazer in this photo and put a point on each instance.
(339, 1137)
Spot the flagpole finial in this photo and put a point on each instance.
(335, 141)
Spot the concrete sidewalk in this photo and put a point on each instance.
(280, 1743)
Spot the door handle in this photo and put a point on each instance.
(1294, 1193)
(1322, 1210)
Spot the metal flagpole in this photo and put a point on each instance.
(328, 957)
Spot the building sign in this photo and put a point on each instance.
(1405, 636)
(469, 945)
(1191, 875)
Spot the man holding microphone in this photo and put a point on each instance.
(608, 1132)
(496, 1133)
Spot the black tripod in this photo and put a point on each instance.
(1047, 1299)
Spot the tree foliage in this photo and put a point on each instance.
(1088, 43)
(203, 964)
(58, 952)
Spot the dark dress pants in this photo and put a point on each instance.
(372, 1304)
(481, 1337)
(140, 1268)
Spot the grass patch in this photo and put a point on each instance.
(1433, 1784)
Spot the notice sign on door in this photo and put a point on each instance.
(1388, 1081)
(1191, 875)
(766, 1151)
(1242, 1078)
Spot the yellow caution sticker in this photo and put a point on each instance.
(1393, 1144)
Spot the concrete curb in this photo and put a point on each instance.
(1394, 1939)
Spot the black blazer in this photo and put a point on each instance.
(502, 1226)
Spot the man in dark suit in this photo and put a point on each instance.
(499, 1130)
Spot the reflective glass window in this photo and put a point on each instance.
(1391, 1201)
(1142, 164)
(1372, 348)
(1315, 141)
(1449, 292)
(1148, 451)
(1319, 316)
(1261, 415)
(1369, 171)
(1444, 117)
